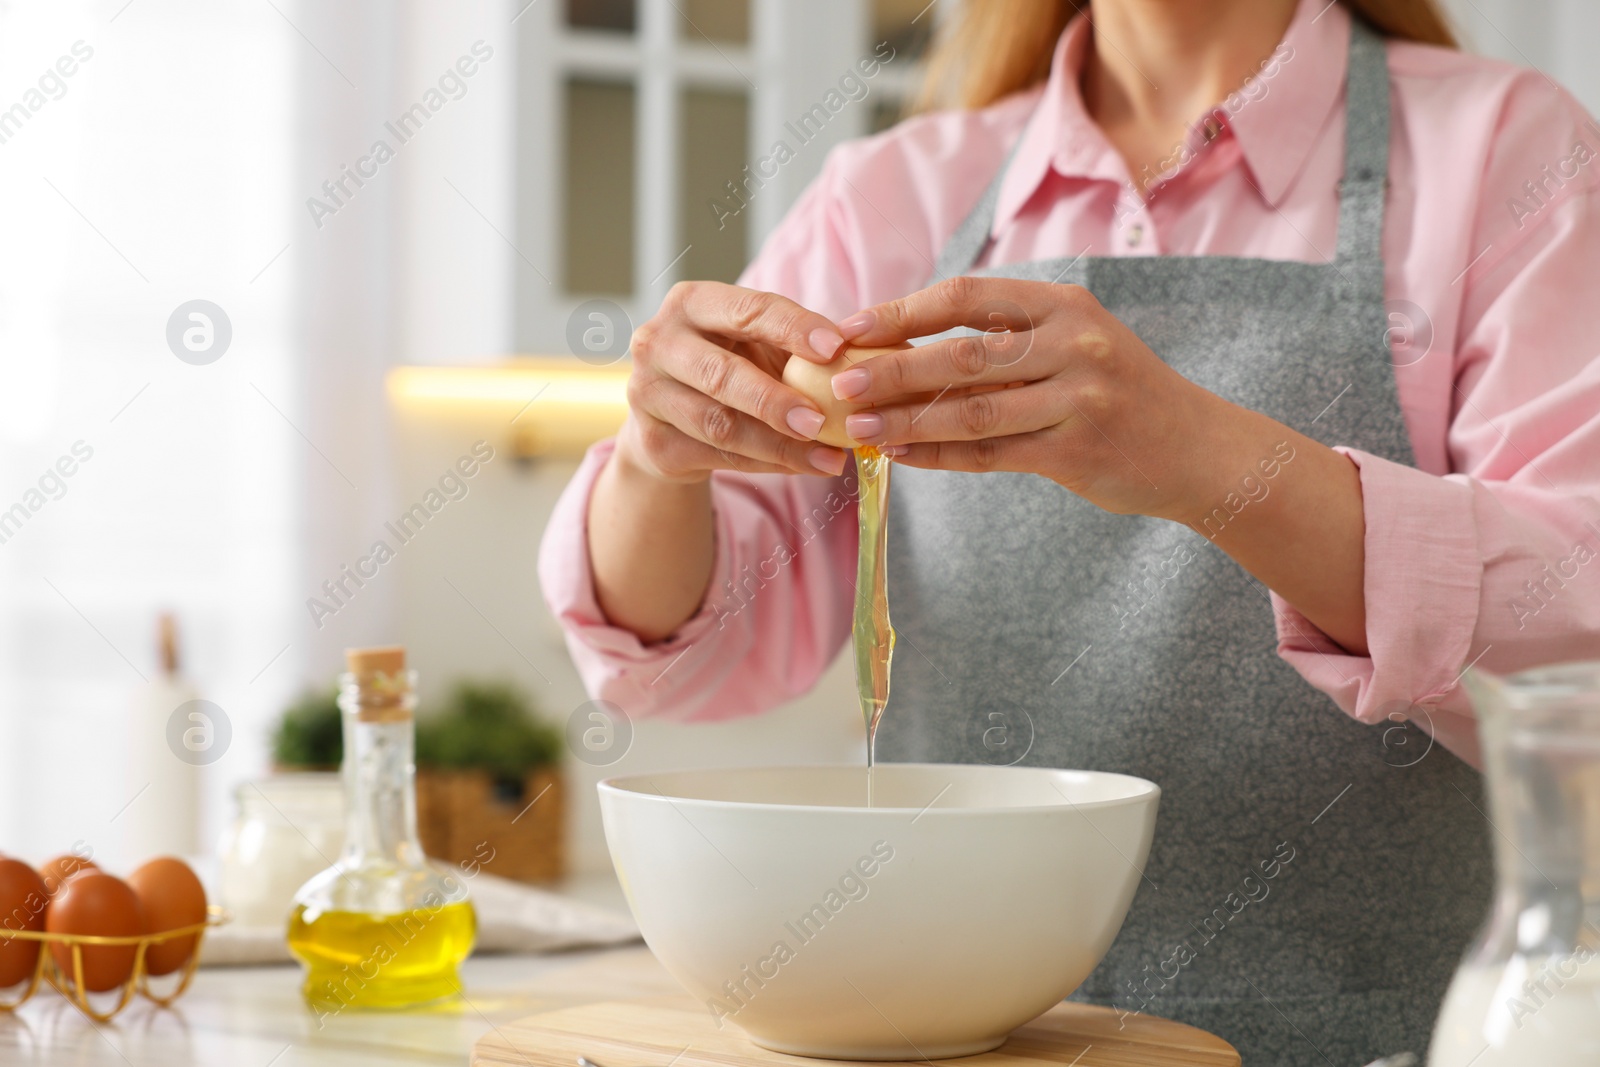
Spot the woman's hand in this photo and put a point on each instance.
(1056, 386)
(704, 395)
(705, 392)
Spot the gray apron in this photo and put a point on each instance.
(1312, 882)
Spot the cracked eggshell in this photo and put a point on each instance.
(815, 382)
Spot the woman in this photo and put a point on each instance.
(1297, 280)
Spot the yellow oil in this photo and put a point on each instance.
(357, 960)
(871, 631)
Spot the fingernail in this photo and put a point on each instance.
(857, 324)
(864, 426)
(824, 342)
(852, 382)
(827, 460)
(805, 422)
(894, 451)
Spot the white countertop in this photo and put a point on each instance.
(254, 1017)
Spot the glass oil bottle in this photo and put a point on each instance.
(383, 927)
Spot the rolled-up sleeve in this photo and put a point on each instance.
(779, 603)
(776, 612)
(1423, 588)
(1497, 561)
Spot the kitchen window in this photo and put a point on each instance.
(647, 132)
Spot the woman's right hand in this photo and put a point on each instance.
(705, 392)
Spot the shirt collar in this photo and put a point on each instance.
(1276, 119)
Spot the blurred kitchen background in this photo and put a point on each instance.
(359, 339)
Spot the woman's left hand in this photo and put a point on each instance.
(1056, 386)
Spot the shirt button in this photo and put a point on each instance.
(1135, 235)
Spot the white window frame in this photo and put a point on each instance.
(796, 53)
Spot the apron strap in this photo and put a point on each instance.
(1366, 159)
(1361, 190)
(970, 238)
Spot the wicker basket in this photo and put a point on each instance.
(466, 817)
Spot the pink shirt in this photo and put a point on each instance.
(1487, 551)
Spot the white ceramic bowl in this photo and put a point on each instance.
(965, 902)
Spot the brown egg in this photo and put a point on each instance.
(22, 906)
(170, 897)
(92, 902)
(815, 381)
(56, 872)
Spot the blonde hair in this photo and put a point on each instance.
(994, 48)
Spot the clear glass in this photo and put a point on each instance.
(384, 926)
(717, 183)
(725, 21)
(616, 16)
(906, 25)
(902, 31)
(1528, 990)
(598, 186)
(285, 829)
(886, 111)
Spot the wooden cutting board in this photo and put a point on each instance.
(658, 1030)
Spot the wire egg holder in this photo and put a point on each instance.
(46, 969)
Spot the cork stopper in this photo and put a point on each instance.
(388, 660)
(167, 644)
(382, 685)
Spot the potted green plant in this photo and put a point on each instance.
(309, 735)
(489, 786)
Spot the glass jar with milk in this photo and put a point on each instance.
(1528, 990)
(286, 829)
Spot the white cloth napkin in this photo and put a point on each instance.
(512, 917)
